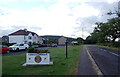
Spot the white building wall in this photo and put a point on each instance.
(35, 39)
(25, 39)
(40, 40)
(16, 39)
(28, 39)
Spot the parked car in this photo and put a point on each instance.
(54, 45)
(4, 49)
(17, 47)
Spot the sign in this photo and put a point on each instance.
(38, 58)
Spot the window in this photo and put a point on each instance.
(30, 37)
(4, 46)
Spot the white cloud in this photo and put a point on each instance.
(57, 19)
(85, 11)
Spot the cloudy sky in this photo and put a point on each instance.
(54, 17)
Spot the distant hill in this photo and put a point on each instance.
(53, 37)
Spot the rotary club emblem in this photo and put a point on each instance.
(38, 59)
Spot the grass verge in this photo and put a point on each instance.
(12, 65)
(113, 48)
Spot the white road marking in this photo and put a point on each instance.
(110, 52)
(103, 49)
(96, 68)
(114, 54)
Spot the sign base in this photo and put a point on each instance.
(26, 64)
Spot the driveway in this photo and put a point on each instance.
(23, 51)
(106, 60)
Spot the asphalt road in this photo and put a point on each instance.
(108, 61)
(24, 51)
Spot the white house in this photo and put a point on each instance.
(41, 40)
(24, 36)
(62, 40)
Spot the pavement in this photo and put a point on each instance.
(106, 60)
(85, 65)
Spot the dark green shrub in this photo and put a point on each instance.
(30, 50)
(33, 50)
(8, 44)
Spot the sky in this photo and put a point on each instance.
(71, 18)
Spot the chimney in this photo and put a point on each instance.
(25, 30)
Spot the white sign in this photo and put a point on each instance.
(38, 58)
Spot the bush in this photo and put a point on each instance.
(33, 50)
(30, 50)
(8, 44)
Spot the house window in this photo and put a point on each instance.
(30, 37)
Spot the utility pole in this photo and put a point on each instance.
(82, 34)
(117, 12)
(66, 49)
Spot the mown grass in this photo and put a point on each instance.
(12, 65)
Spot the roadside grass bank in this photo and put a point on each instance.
(12, 65)
(113, 46)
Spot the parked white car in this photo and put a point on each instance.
(54, 45)
(17, 47)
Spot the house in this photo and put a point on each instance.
(5, 39)
(24, 36)
(62, 40)
(41, 40)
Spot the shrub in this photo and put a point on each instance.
(8, 44)
(30, 50)
(33, 50)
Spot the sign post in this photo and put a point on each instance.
(66, 50)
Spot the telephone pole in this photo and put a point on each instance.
(82, 34)
(117, 12)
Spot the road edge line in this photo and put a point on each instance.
(95, 67)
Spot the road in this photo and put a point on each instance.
(106, 60)
(24, 51)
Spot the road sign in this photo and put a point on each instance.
(38, 58)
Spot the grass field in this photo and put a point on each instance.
(12, 65)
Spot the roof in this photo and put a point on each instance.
(63, 37)
(23, 32)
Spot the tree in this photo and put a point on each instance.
(105, 32)
(111, 29)
(79, 40)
